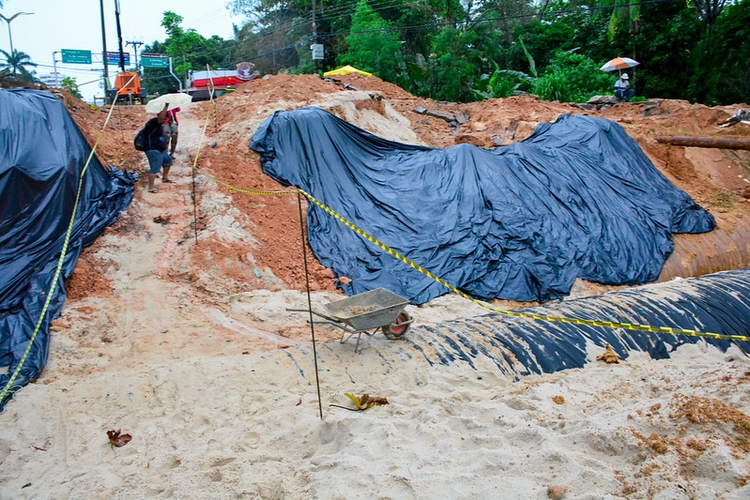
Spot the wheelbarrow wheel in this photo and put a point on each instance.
(397, 330)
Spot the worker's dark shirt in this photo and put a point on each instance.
(155, 136)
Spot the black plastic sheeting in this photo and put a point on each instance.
(42, 154)
(716, 303)
(576, 199)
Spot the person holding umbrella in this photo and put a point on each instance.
(157, 143)
(156, 149)
(623, 92)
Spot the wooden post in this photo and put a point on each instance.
(706, 142)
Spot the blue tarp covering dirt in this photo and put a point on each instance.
(42, 155)
(717, 303)
(577, 199)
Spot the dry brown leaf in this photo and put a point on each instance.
(117, 439)
(609, 355)
(363, 403)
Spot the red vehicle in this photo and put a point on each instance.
(220, 81)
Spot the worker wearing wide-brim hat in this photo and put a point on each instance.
(623, 92)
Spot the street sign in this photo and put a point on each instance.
(76, 56)
(317, 51)
(113, 58)
(154, 60)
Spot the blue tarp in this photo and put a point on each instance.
(578, 198)
(717, 303)
(42, 155)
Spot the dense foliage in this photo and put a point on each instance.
(467, 50)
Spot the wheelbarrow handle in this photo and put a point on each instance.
(315, 313)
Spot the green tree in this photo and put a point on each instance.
(709, 11)
(69, 84)
(463, 50)
(668, 40)
(373, 44)
(274, 44)
(572, 77)
(190, 50)
(539, 40)
(16, 66)
(629, 10)
(721, 61)
(455, 65)
(505, 16)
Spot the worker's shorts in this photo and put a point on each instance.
(157, 159)
(170, 129)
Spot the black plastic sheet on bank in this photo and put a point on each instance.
(576, 199)
(42, 155)
(517, 347)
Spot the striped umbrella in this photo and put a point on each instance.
(619, 63)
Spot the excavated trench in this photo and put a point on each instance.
(723, 249)
(512, 347)
(715, 304)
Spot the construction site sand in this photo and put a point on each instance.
(176, 331)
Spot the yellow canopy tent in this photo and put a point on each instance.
(345, 70)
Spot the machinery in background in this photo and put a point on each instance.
(127, 89)
(202, 83)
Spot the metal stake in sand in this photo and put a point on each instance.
(309, 302)
(195, 209)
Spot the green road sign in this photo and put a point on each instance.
(154, 61)
(76, 56)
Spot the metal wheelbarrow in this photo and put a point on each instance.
(367, 313)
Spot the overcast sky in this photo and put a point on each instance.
(76, 24)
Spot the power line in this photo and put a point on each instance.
(338, 13)
(135, 51)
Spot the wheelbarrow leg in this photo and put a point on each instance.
(347, 334)
(345, 338)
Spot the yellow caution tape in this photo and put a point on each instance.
(540, 317)
(414, 265)
(9, 385)
(242, 190)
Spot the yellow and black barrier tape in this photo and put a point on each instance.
(414, 265)
(243, 190)
(539, 317)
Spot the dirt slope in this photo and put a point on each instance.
(252, 243)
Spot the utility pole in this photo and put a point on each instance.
(315, 39)
(172, 73)
(314, 36)
(135, 50)
(54, 68)
(104, 54)
(119, 36)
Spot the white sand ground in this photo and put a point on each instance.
(248, 426)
